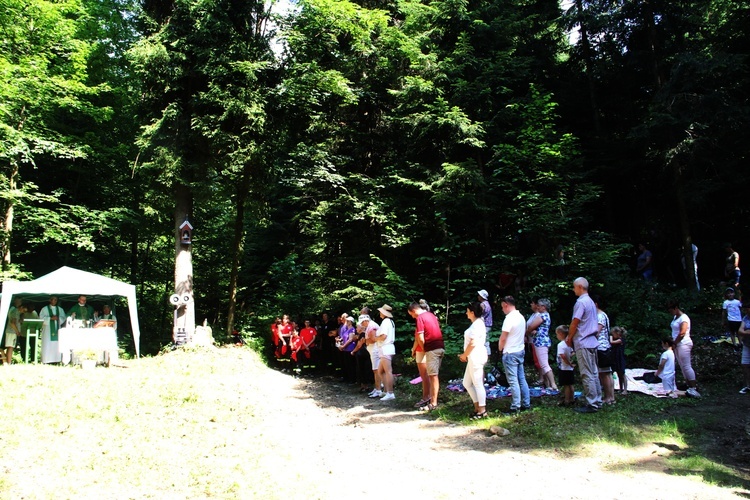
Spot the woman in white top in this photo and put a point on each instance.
(385, 337)
(683, 345)
(475, 357)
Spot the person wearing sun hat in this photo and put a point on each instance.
(484, 301)
(385, 337)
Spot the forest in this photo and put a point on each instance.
(332, 154)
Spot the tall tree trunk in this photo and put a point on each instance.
(684, 218)
(183, 264)
(239, 230)
(589, 67)
(8, 220)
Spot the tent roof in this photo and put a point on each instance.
(69, 281)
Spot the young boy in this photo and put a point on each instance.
(666, 368)
(565, 365)
(731, 316)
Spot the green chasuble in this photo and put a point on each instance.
(82, 312)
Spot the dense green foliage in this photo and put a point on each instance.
(348, 153)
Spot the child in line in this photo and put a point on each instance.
(731, 316)
(666, 368)
(565, 365)
(617, 339)
(744, 333)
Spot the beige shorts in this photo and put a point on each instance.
(420, 358)
(10, 339)
(434, 359)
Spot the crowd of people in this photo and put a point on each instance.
(53, 318)
(363, 350)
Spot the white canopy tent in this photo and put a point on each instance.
(67, 284)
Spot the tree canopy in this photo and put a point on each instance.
(336, 153)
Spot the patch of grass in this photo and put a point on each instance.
(178, 425)
(635, 420)
(707, 470)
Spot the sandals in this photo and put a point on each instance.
(428, 407)
(421, 403)
(479, 416)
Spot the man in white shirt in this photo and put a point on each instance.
(511, 344)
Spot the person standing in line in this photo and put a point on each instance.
(53, 317)
(371, 343)
(304, 345)
(731, 315)
(565, 366)
(484, 300)
(583, 338)
(538, 329)
(348, 341)
(430, 338)
(604, 354)
(361, 356)
(386, 337)
(617, 340)
(475, 357)
(683, 345)
(744, 334)
(528, 343)
(327, 342)
(511, 344)
(417, 352)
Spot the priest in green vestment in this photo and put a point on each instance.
(54, 318)
(81, 310)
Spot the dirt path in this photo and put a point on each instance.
(371, 449)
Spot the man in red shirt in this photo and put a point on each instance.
(430, 339)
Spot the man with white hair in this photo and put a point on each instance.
(583, 337)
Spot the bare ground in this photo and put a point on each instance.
(364, 448)
(220, 424)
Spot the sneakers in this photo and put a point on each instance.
(376, 393)
(693, 393)
(745, 390)
(388, 397)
